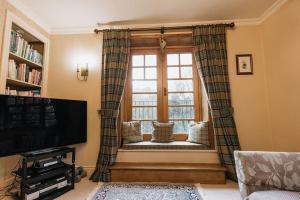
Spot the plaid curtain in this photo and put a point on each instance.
(115, 60)
(211, 58)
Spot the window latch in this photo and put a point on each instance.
(165, 91)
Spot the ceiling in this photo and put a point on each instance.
(59, 15)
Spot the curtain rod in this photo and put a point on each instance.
(162, 29)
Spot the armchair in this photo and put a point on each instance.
(268, 175)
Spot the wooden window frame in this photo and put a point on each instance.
(162, 82)
(196, 83)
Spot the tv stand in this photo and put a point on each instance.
(39, 152)
(43, 182)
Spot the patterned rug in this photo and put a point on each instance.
(124, 191)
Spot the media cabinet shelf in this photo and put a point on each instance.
(29, 175)
(34, 177)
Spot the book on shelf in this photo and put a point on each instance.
(24, 49)
(22, 72)
(29, 93)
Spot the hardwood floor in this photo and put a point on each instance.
(168, 172)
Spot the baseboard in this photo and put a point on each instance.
(89, 169)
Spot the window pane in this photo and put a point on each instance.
(181, 112)
(151, 73)
(146, 127)
(173, 59)
(150, 60)
(181, 126)
(180, 85)
(137, 73)
(186, 72)
(138, 60)
(144, 113)
(176, 99)
(144, 86)
(173, 72)
(186, 59)
(144, 100)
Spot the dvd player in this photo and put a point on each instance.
(38, 190)
(48, 162)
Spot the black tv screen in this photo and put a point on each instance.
(31, 123)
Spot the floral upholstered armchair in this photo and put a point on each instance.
(268, 175)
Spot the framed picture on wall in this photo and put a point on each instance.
(244, 64)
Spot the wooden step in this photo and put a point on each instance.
(168, 172)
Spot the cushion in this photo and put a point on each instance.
(163, 132)
(131, 132)
(198, 133)
(274, 195)
(175, 145)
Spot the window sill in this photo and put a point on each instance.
(176, 145)
(168, 150)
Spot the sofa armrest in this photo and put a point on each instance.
(258, 171)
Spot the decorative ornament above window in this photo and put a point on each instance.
(162, 42)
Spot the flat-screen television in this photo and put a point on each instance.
(30, 123)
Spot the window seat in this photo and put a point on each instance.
(176, 145)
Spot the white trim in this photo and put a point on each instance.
(80, 30)
(30, 14)
(69, 31)
(238, 22)
(87, 30)
(271, 10)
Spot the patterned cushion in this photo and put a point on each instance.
(198, 133)
(131, 132)
(260, 171)
(163, 132)
(274, 195)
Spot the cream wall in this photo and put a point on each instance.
(8, 163)
(249, 93)
(66, 52)
(281, 37)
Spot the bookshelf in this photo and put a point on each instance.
(24, 65)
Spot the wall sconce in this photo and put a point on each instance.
(82, 72)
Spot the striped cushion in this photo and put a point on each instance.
(131, 132)
(163, 132)
(198, 133)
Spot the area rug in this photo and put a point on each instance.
(125, 191)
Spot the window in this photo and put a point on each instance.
(180, 90)
(163, 87)
(144, 90)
